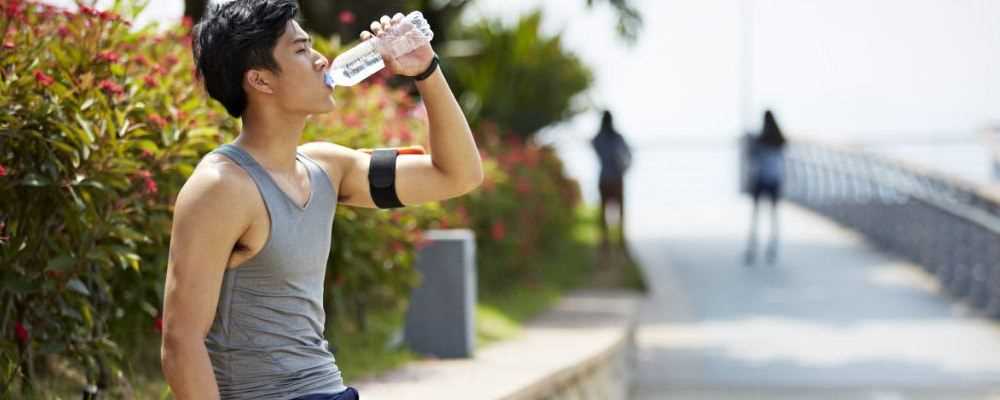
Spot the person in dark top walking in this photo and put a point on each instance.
(767, 173)
(615, 157)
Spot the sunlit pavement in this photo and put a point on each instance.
(833, 319)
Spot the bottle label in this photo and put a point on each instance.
(363, 64)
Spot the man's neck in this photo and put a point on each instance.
(272, 137)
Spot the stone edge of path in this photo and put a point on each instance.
(582, 347)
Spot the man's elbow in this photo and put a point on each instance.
(174, 348)
(473, 179)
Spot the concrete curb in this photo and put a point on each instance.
(583, 348)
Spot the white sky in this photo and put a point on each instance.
(829, 68)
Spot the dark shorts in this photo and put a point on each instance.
(611, 190)
(769, 189)
(349, 394)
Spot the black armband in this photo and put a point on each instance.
(382, 178)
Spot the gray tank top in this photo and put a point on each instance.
(267, 338)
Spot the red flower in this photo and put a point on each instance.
(523, 186)
(147, 154)
(108, 56)
(398, 247)
(42, 78)
(405, 135)
(22, 333)
(499, 230)
(63, 32)
(170, 60)
(8, 44)
(3, 170)
(108, 16)
(187, 22)
(158, 324)
(352, 120)
(149, 185)
(89, 11)
(150, 81)
(347, 17)
(420, 241)
(141, 60)
(531, 156)
(157, 120)
(111, 87)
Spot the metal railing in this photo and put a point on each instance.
(950, 227)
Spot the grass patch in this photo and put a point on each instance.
(364, 354)
(572, 264)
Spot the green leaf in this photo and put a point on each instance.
(34, 180)
(77, 286)
(124, 232)
(69, 312)
(87, 131)
(149, 309)
(61, 263)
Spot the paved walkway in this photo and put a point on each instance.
(834, 319)
(550, 352)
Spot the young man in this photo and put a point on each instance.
(243, 315)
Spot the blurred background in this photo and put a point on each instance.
(886, 282)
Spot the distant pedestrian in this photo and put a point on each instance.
(615, 157)
(766, 174)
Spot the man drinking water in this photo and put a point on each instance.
(243, 311)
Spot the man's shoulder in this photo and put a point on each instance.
(216, 180)
(334, 158)
(325, 150)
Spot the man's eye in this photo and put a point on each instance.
(301, 51)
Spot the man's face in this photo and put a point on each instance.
(299, 87)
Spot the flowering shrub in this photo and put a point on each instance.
(99, 128)
(100, 125)
(526, 204)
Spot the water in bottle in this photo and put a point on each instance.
(365, 59)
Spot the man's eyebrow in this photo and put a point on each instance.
(300, 39)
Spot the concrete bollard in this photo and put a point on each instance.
(441, 318)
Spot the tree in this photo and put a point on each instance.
(519, 79)
(347, 18)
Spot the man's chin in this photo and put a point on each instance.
(325, 109)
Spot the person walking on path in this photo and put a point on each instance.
(767, 174)
(615, 157)
(243, 310)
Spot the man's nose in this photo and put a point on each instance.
(322, 62)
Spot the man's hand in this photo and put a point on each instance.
(410, 64)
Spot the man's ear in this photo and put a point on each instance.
(259, 80)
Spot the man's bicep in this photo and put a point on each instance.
(417, 181)
(205, 230)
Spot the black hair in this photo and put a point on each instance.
(771, 134)
(234, 37)
(607, 121)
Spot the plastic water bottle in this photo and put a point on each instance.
(365, 59)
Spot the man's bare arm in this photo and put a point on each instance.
(453, 167)
(209, 219)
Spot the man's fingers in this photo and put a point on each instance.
(386, 21)
(397, 18)
(366, 35)
(376, 28)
